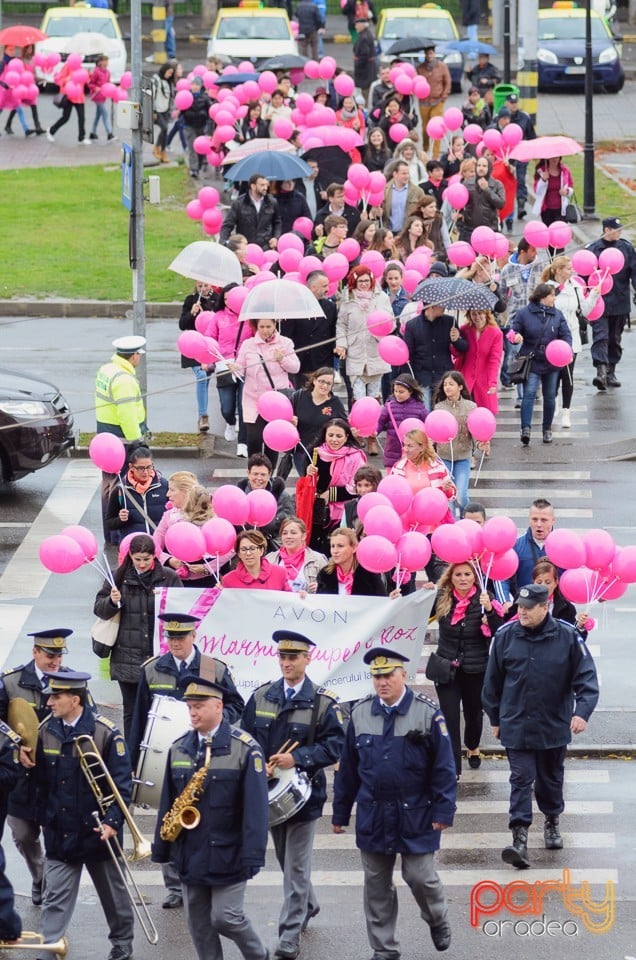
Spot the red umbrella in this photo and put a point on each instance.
(544, 148)
(20, 36)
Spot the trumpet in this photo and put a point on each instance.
(35, 941)
(106, 793)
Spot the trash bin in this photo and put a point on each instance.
(501, 91)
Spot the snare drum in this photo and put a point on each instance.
(168, 719)
(288, 790)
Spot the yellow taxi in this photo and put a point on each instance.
(430, 22)
(251, 33)
(90, 31)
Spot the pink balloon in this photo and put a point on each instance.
(327, 68)
(500, 245)
(602, 279)
(350, 249)
(283, 128)
(364, 415)
(429, 507)
(474, 533)
(473, 133)
(254, 254)
(482, 240)
(185, 541)
(374, 260)
(377, 181)
(393, 350)
(537, 234)
(305, 102)
(384, 522)
(499, 534)
(501, 565)
(280, 435)
(336, 266)
(612, 591)
(399, 492)
(493, 140)
(403, 84)
(219, 536)
(512, 135)
(411, 280)
(208, 197)
(421, 88)
(183, 100)
(398, 132)
(461, 253)
(268, 81)
(312, 70)
(457, 195)
(559, 353)
(597, 310)
(441, 426)
(235, 298)
(408, 424)
(577, 585)
(289, 260)
(303, 225)
(380, 324)
(61, 554)
(369, 500)
(450, 543)
(274, 406)
(584, 262)
(559, 232)
(359, 176)
(623, 565)
(263, 506)
(376, 554)
(599, 548)
(481, 424)
(611, 259)
(436, 128)
(107, 452)
(194, 210)
(183, 84)
(190, 343)
(289, 241)
(344, 85)
(74, 61)
(454, 118)
(231, 504)
(414, 551)
(212, 220)
(86, 539)
(565, 549)
(309, 264)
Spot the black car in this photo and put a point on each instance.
(36, 424)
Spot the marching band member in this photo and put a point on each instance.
(65, 805)
(163, 675)
(217, 857)
(294, 710)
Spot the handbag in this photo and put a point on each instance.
(519, 368)
(439, 669)
(104, 635)
(573, 213)
(60, 100)
(583, 330)
(286, 391)
(223, 377)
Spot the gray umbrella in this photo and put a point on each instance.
(454, 293)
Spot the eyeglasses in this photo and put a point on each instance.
(325, 383)
(146, 469)
(364, 280)
(249, 549)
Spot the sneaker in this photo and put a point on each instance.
(231, 433)
(547, 436)
(86, 142)
(29, 133)
(93, 136)
(111, 136)
(517, 404)
(50, 137)
(525, 436)
(241, 450)
(337, 378)
(565, 419)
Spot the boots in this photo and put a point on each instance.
(611, 376)
(156, 152)
(600, 380)
(517, 853)
(164, 157)
(372, 445)
(551, 836)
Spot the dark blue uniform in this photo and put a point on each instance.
(607, 331)
(10, 923)
(536, 681)
(9, 765)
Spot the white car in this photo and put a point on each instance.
(242, 33)
(90, 31)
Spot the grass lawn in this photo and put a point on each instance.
(611, 198)
(71, 234)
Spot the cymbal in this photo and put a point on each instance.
(23, 719)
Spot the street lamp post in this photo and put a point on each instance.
(589, 187)
(136, 227)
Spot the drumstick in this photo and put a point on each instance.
(290, 749)
(282, 749)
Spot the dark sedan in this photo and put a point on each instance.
(561, 51)
(36, 424)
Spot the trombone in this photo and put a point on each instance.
(35, 941)
(106, 793)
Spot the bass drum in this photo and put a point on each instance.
(168, 719)
(289, 790)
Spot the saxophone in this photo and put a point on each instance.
(183, 814)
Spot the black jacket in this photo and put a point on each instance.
(259, 227)
(304, 333)
(186, 320)
(365, 583)
(197, 115)
(291, 204)
(364, 71)
(465, 640)
(351, 215)
(429, 347)
(308, 17)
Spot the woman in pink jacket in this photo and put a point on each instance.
(265, 362)
(100, 76)
(229, 333)
(73, 94)
(480, 364)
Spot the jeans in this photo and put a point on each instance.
(177, 128)
(521, 170)
(101, 113)
(230, 399)
(510, 352)
(171, 39)
(549, 382)
(202, 386)
(460, 472)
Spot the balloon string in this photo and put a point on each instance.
(208, 566)
(452, 458)
(304, 448)
(481, 463)
(604, 589)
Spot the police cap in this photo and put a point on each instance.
(382, 661)
(178, 624)
(69, 681)
(290, 642)
(198, 688)
(532, 595)
(53, 641)
(129, 345)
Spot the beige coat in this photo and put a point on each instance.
(361, 346)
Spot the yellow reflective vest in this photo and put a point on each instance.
(118, 397)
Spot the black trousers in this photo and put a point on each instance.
(462, 693)
(66, 115)
(546, 770)
(255, 442)
(607, 332)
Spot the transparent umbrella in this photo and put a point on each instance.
(209, 262)
(280, 300)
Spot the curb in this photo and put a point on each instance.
(601, 751)
(187, 453)
(110, 309)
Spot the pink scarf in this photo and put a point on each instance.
(293, 562)
(344, 463)
(462, 605)
(363, 299)
(346, 579)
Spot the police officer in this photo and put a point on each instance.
(398, 766)
(294, 711)
(216, 858)
(164, 675)
(65, 805)
(607, 331)
(540, 688)
(30, 683)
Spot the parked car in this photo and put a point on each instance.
(561, 50)
(251, 34)
(91, 31)
(429, 22)
(36, 424)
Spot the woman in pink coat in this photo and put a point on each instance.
(481, 362)
(265, 362)
(230, 332)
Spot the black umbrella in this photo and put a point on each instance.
(286, 61)
(333, 163)
(410, 45)
(454, 293)
(233, 79)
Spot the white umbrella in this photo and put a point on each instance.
(87, 43)
(280, 300)
(250, 147)
(208, 262)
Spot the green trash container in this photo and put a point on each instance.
(500, 92)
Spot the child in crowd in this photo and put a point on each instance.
(405, 402)
(97, 79)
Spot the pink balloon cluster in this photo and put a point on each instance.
(69, 550)
(233, 505)
(599, 273)
(557, 234)
(196, 346)
(17, 86)
(594, 567)
(205, 207)
(364, 185)
(450, 121)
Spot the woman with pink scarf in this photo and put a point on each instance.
(301, 564)
(343, 574)
(337, 456)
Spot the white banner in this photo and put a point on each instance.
(237, 625)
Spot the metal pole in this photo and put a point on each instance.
(506, 41)
(137, 252)
(589, 190)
